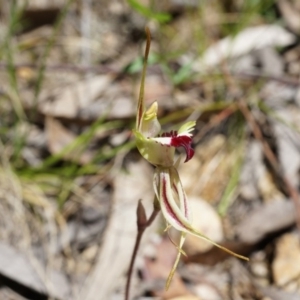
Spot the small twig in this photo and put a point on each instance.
(142, 224)
(103, 69)
(214, 121)
(255, 75)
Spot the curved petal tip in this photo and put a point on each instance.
(185, 142)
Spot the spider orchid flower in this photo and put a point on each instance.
(159, 150)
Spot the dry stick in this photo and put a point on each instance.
(255, 75)
(142, 224)
(214, 121)
(104, 69)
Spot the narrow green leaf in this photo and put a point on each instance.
(148, 13)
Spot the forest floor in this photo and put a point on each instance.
(70, 173)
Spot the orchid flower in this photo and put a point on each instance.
(159, 150)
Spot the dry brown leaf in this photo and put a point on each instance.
(278, 294)
(113, 260)
(267, 219)
(157, 270)
(59, 137)
(74, 97)
(90, 99)
(290, 11)
(286, 265)
(186, 297)
(207, 291)
(244, 42)
(20, 268)
(288, 142)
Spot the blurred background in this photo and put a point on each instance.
(70, 176)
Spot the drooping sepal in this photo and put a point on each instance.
(185, 142)
(173, 202)
(180, 251)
